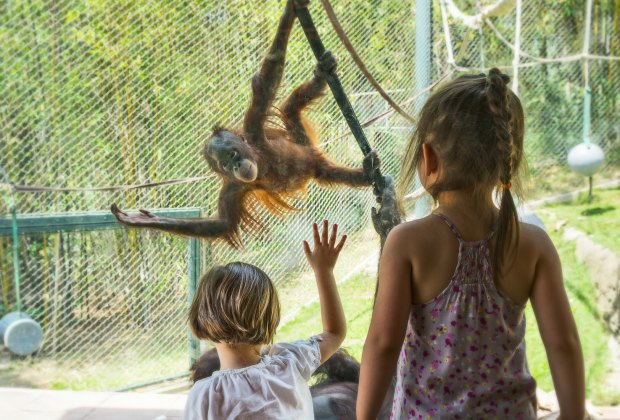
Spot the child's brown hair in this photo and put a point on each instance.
(475, 124)
(236, 303)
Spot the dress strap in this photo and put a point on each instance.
(458, 235)
(451, 226)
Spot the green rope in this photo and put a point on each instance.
(587, 99)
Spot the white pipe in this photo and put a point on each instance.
(517, 48)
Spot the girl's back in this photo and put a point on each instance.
(464, 350)
(274, 388)
(450, 296)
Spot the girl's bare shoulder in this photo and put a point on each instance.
(417, 233)
(534, 240)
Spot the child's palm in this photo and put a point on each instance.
(326, 251)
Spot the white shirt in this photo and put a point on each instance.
(274, 388)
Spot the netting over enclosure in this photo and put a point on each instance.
(109, 93)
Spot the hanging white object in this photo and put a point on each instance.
(20, 333)
(499, 8)
(585, 158)
(516, 57)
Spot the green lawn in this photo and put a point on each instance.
(598, 219)
(356, 294)
(75, 374)
(592, 331)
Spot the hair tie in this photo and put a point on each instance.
(506, 186)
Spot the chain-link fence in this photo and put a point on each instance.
(121, 93)
(551, 75)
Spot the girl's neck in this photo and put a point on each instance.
(466, 206)
(236, 356)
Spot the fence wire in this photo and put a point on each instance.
(114, 92)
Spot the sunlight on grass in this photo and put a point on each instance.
(591, 329)
(597, 219)
(357, 295)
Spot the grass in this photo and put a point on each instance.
(549, 180)
(598, 218)
(357, 295)
(74, 374)
(592, 331)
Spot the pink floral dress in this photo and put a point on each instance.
(464, 351)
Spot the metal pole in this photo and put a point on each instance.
(18, 300)
(587, 94)
(193, 263)
(15, 236)
(423, 49)
(423, 60)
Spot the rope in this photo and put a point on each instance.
(125, 187)
(358, 61)
(38, 188)
(500, 8)
(587, 93)
(446, 31)
(543, 60)
(386, 114)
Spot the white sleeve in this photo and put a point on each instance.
(305, 355)
(196, 406)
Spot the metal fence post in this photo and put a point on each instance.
(423, 48)
(193, 263)
(423, 71)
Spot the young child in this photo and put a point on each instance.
(448, 317)
(236, 307)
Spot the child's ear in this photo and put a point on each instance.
(431, 163)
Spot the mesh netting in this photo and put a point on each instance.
(108, 92)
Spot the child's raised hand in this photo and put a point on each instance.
(325, 253)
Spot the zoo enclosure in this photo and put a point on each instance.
(117, 93)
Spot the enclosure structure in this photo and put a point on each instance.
(111, 101)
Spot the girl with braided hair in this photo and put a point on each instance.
(448, 316)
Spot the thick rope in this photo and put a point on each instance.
(39, 188)
(358, 61)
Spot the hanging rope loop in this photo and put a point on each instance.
(359, 62)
